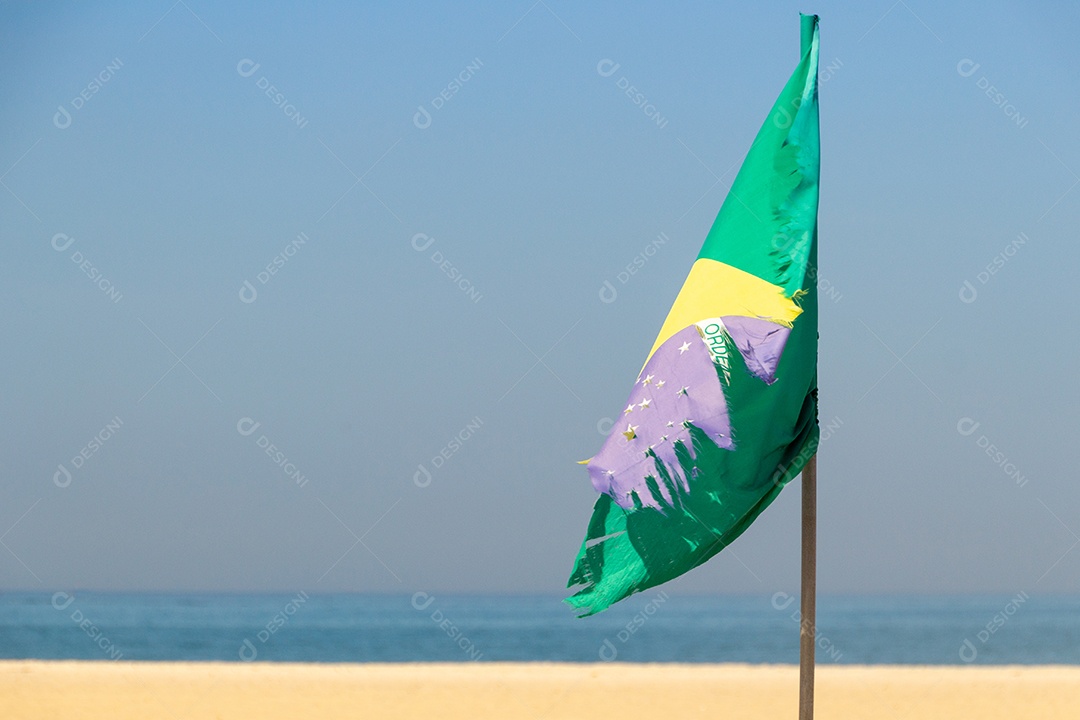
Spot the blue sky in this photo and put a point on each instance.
(172, 153)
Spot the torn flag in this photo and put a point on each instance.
(724, 412)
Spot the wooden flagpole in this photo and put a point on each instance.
(808, 610)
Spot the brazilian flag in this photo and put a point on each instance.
(724, 412)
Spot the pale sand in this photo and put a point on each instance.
(120, 690)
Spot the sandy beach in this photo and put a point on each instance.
(120, 690)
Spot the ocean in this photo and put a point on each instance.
(655, 626)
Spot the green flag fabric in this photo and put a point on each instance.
(724, 412)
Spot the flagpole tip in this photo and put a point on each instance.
(809, 25)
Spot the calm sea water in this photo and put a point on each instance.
(655, 626)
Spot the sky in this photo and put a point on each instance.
(333, 298)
